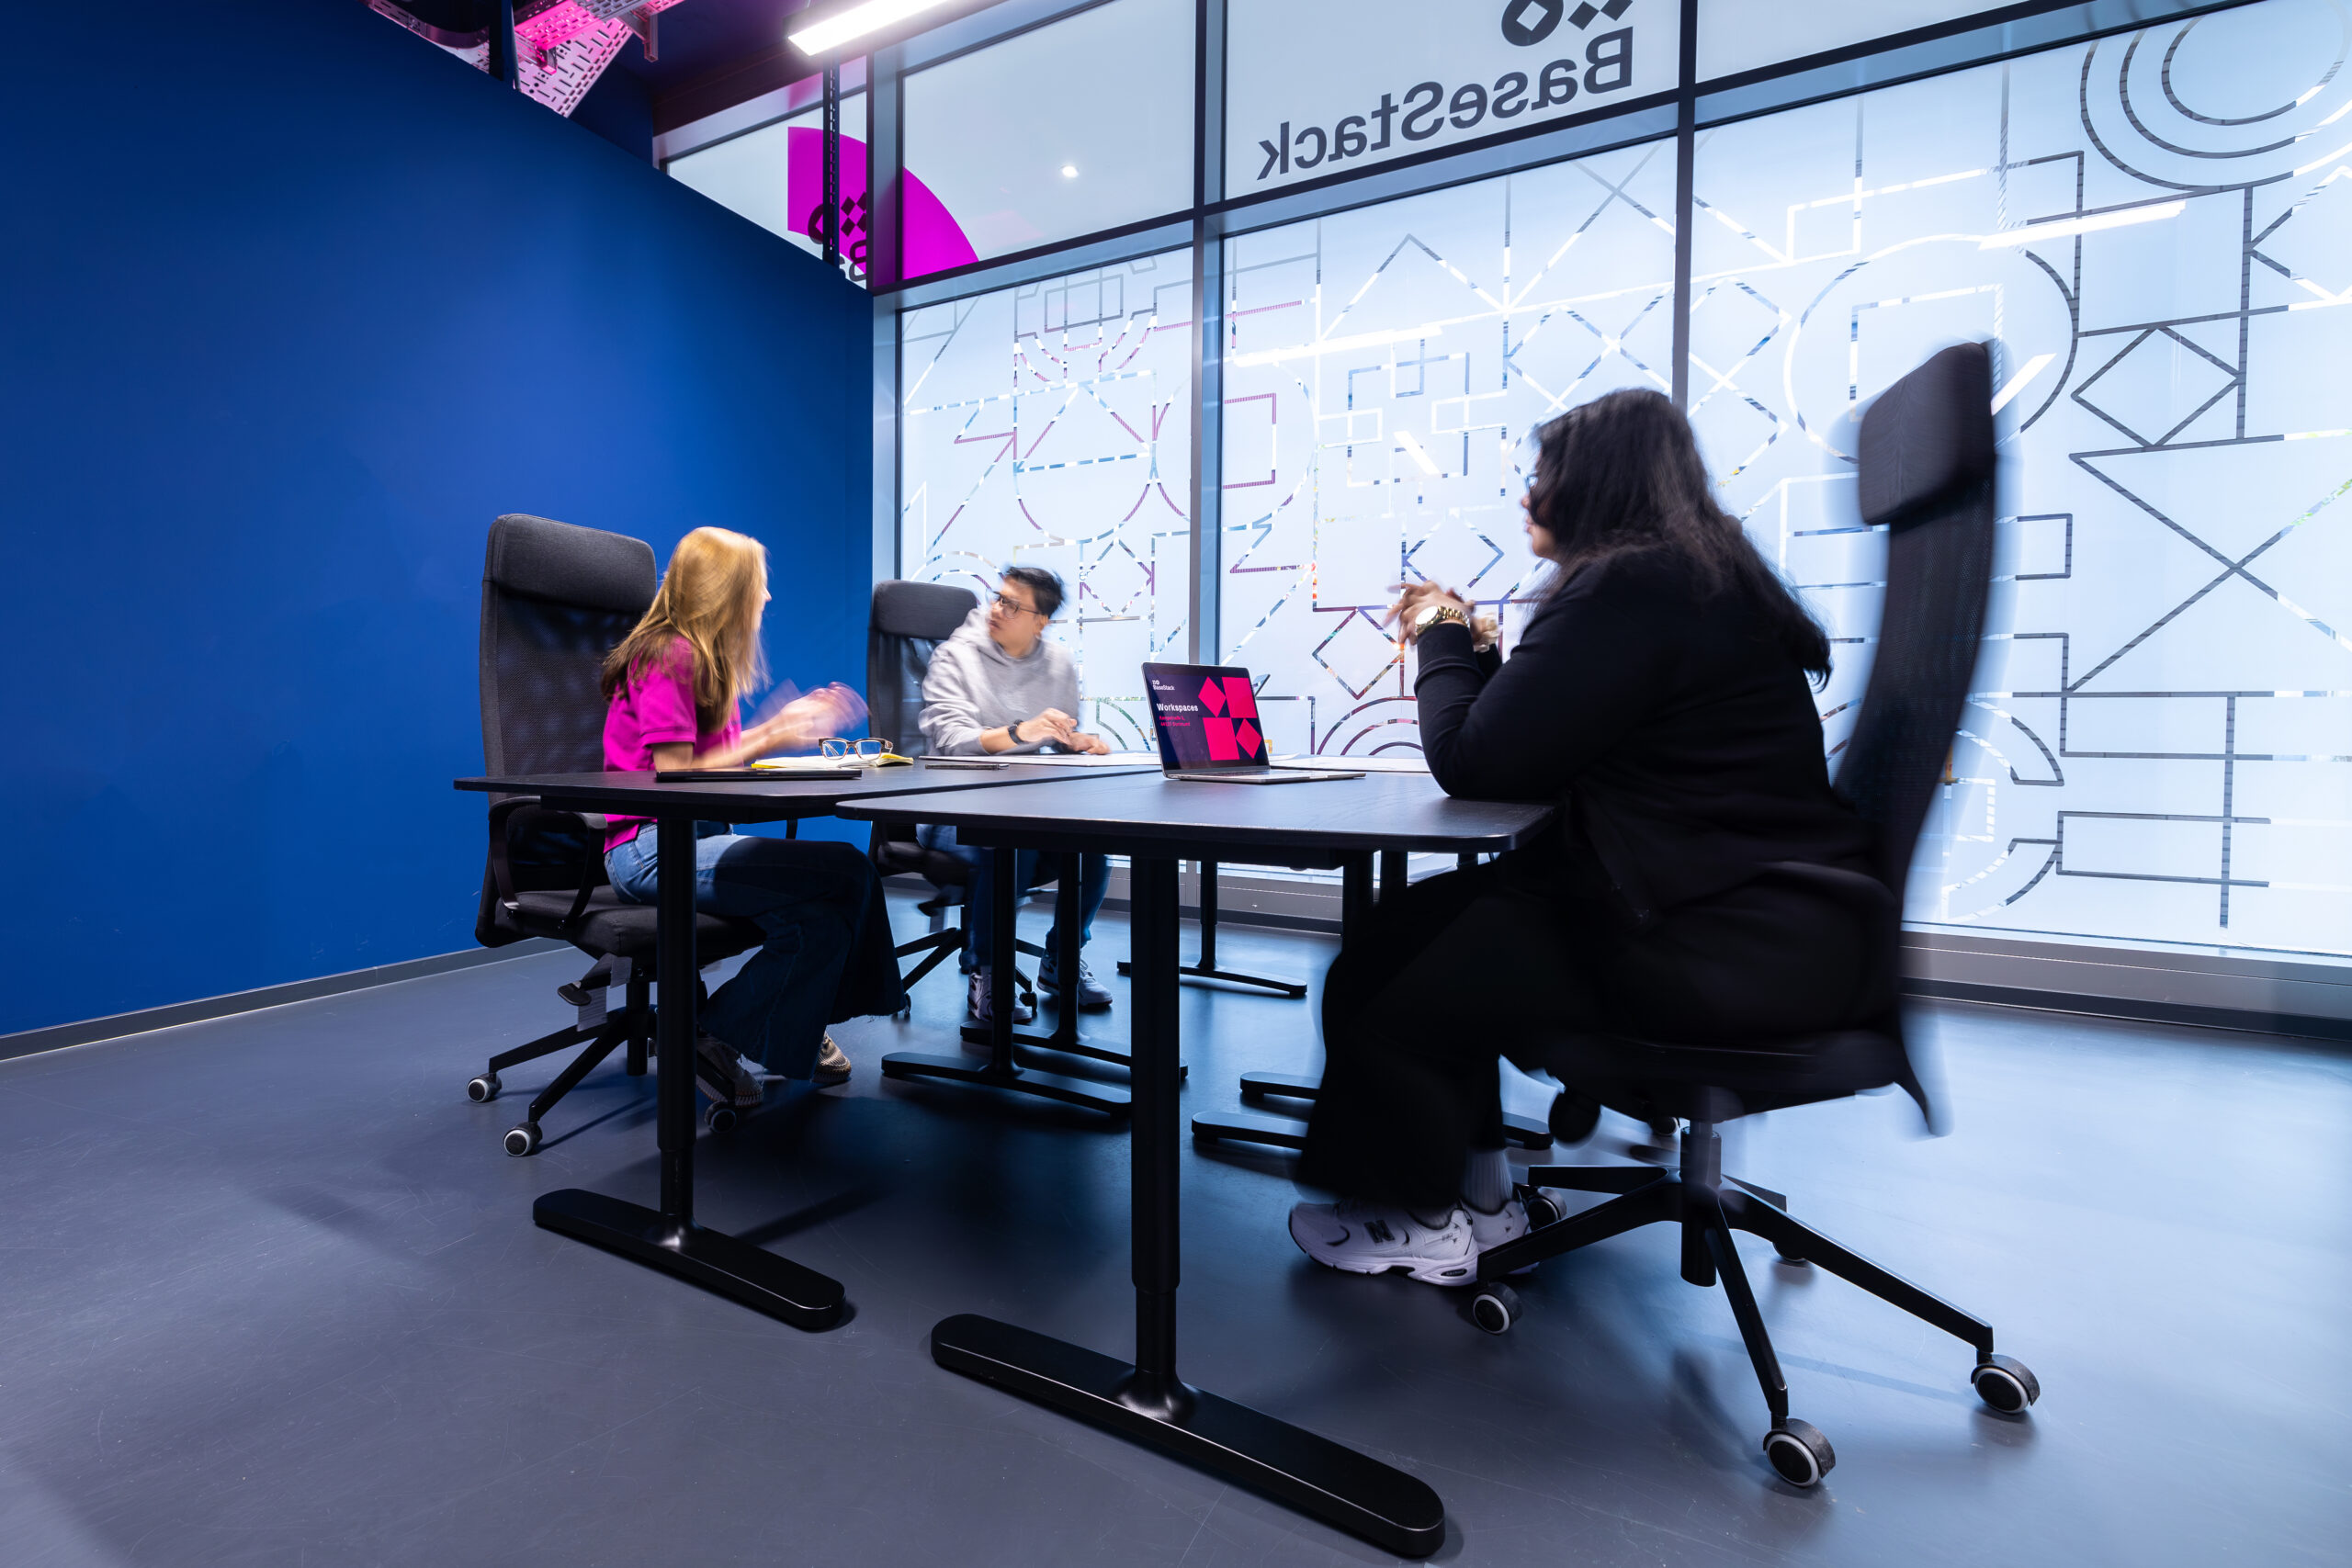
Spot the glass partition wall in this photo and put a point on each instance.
(1048, 425)
(1233, 448)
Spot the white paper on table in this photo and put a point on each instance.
(1063, 758)
(1405, 764)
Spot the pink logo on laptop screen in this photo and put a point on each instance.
(1214, 722)
(1231, 737)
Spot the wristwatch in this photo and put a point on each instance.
(1437, 614)
(1012, 732)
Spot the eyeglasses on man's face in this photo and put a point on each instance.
(1013, 606)
(869, 746)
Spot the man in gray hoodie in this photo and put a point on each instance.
(999, 688)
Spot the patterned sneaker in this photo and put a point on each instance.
(832, 1068)
(1506, 1224)
(1373, 1238)
(1092, 994)
(977, 999)
(722, 1075)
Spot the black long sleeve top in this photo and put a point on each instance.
(1683, 737)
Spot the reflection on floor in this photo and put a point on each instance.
(274, 1297)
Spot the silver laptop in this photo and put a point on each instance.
(1206, 719)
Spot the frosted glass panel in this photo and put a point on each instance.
(1047, 425)
(2155, 228)
(1383, 368)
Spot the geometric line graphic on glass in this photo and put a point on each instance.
(1043, 425)
(1383, 371)
(2153, 230)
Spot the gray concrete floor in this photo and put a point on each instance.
(273, 1296)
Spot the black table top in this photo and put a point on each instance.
(1141, 813)
(751, 800)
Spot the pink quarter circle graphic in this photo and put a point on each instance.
(934, 240)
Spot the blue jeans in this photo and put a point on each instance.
(980, 908)
(827, 956)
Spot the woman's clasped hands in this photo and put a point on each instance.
(1412, 598)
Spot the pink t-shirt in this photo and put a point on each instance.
(656, 708)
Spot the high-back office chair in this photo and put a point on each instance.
(1927, 466)
(908, 623)
(555, 600)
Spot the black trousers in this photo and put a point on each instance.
(1448, 977)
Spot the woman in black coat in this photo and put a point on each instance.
(1660, 691)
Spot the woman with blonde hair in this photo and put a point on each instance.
(674, 685)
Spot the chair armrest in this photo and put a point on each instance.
(588, 870)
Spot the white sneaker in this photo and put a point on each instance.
(979, 992)
(1373, 1238)
(832, 1065)
(723, 1075)
(1506, 1224)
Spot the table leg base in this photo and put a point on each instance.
(1075, 1045)
(1291, 988)
(1244, 1127)
(1020, 1080)
(713, 1259)
(978, 1034)
(1354, 1492)
(1274, 1084)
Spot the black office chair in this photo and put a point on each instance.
(1927, 472)
(555, 600)
(908, 623)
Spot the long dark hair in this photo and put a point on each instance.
(1621, 475)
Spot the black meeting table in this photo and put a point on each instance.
(667, 1238)
(1157, 822)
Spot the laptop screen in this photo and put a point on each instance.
(1207, 717)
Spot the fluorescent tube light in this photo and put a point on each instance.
(1337, 345)
(2034, 233)
(1412, 448)
(846, 26)
(2033, 367)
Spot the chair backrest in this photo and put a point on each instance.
(555, 600)
(1927, 466)
(909, 622)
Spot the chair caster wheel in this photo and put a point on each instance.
(483, 1089)
(1542, 1209)
(523, 1139)
(1573, 1117)
(722, 1117)
(2006, 1383)
(1799, 1452)
(1495, 1308)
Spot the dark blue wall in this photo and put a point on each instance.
(294, 304)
